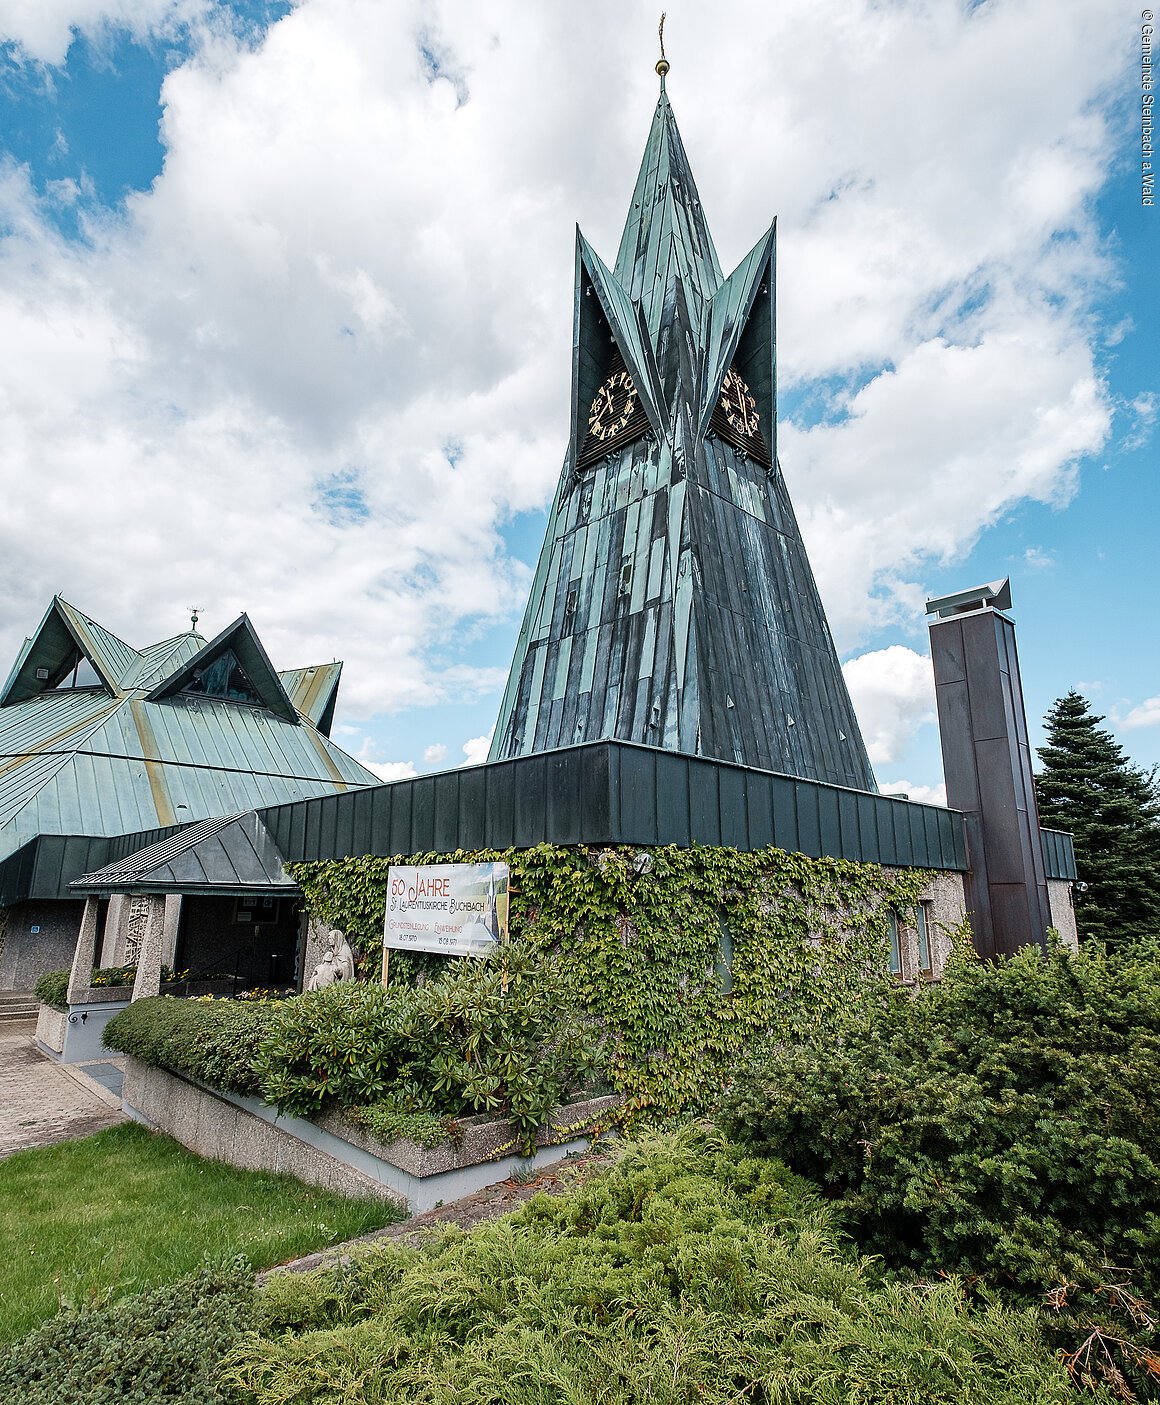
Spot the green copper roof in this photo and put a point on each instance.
(233, 853)
(134, 751)
(313, 691)
(241, 639)
(666, 235)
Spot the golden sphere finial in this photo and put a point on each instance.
(662, 66)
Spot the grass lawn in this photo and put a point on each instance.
(91, 1220)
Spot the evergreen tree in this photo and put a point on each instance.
(1112, 809)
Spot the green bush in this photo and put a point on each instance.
(215, 1041)
(392, 1119)
(163, 1345)
(689, 1273)
(460, 1045)
(52, 989)
(493, 1037)
(341, 1044)
(1003, 1123)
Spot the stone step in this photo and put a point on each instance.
(12, 1014)
(16, 997)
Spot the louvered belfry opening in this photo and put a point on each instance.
(673, 604)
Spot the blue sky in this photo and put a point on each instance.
(288, 294)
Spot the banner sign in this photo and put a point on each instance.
(451, 909)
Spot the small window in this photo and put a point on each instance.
(76, 672)
(224, 678)
(895, 946)
(724, 964)
(922, 919)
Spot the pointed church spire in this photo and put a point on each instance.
(666, 236)
(673, 604)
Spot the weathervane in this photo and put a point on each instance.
(194, 611)
(662, 62)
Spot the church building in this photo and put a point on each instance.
(674, 681)
(105, 748)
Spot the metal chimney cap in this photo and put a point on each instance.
(994, 596)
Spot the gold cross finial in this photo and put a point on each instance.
(662, 62)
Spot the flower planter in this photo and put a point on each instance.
(332, 1153)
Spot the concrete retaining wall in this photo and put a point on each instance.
(78, 1035)
(248, 1133)
(50, 1027)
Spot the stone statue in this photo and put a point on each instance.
(336, 965)
(344, 956)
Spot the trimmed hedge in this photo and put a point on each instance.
(215, 1041)
(163, 1345)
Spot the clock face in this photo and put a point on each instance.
(613, 406)
(738, 405)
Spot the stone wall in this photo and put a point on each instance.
(252, 1135)
(946, 906)
(50, 1028)
(27, 955)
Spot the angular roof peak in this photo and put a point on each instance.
(666, 235)
(229, 854)
(314, 692)
(63, 635)
(242, 641)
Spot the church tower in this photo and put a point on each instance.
(673, 604)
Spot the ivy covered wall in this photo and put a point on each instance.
(689, 956)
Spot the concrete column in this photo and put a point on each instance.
(172, 923)
(148, 980)
(83, 960)
(987, 762)
(116, 927)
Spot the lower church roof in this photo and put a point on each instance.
(136, 746)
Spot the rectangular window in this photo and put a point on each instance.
(922, 918)
(895, 946)
(724, 957)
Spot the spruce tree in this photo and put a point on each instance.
(1112, 808)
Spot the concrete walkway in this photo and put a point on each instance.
(42, 1102)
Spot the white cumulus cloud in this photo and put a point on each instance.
(922, 794)
(475, 751)
(893, 695)
(1145, 714)
(43, 30)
